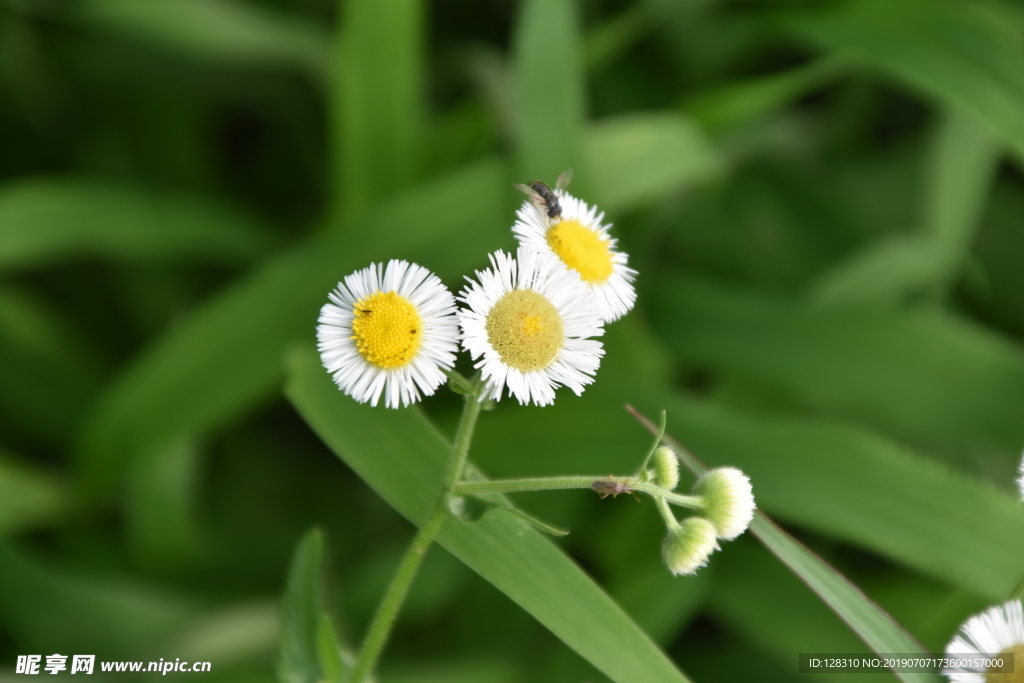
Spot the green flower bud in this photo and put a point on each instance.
(666, 468)
(728, 500)
(687, 546)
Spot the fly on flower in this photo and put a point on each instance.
(575, 233)
(389, 332)
(529, 321)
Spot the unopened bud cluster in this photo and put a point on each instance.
(726, 508)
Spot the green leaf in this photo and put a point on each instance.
(226, 31)
(162, 505)
(55, 609)
(377, 96)
(402, 457)
(50, 221)
(232, 346)
(550, 97)
(876, 628)
(50, 373)
(960, 171)
(868, 620)
(931, 377)
(752, 588)
(956, 52)
(637, 160)
(731, 104)
(298, 660)
(29, 496)
(329, 653)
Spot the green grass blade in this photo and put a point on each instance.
(231, 32)
(930, 377)
(550, 97)
(732, 104)
(953, 51)
(870, 622)
(29, 497)
(960, 171)
(298, 659)
(865, 618)
(638, 159)
(233, 346)
(377, 97)
(51, 221)
(402, 457)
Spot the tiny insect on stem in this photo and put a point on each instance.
(612, 487)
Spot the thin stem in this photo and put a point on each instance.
(463, 437)
(666, 513)
(393, 598)
(530, 484)
(575, 482)
(642, 472)
(1018, 592)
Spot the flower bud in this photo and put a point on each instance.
(666, 468)
(687, 546)
(728, 500)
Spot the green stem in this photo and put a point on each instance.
(463, 437)
(1018, 592)
(391, 602)
(574, 482)
(642, 472)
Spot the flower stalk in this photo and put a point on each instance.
(393, 598)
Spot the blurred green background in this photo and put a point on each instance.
(825, 204)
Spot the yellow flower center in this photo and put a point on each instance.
(525, 329)
(581, 249)
(387, 330)
(1018, 668)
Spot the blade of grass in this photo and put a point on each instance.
(232, 347)
(931, 377)
(638, 159)
(550, 99)
(960, 171)
(876, 628)
(402, 457)
(225, 31)
(298, 660)
(29, 496)
(51, 221)
(377, 100)
(956, 52)
(731, 104)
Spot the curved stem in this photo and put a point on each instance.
(575, 482)
(387, 610)
(394, 596)
(463, 437)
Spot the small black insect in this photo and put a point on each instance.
(542, 195)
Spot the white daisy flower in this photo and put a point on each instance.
(529, 321)
(1020, 477)
(389, 331)
(997, 630)
(581, 241)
